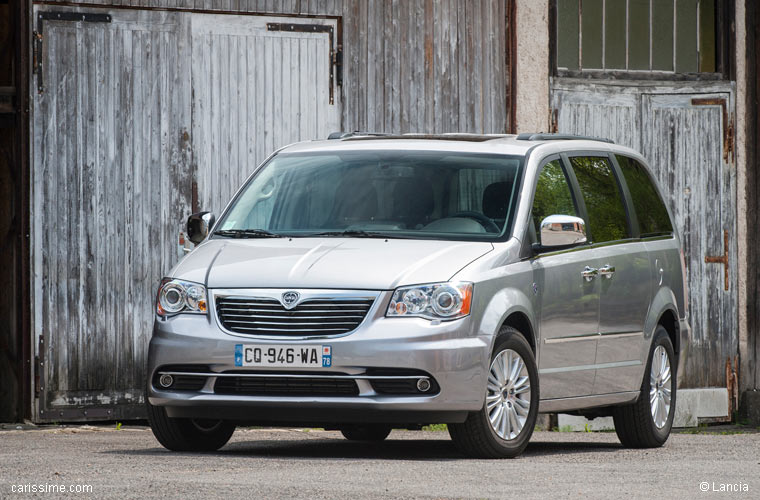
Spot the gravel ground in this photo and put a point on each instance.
(288, 463)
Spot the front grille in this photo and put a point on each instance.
(285, 386)
(265, 316)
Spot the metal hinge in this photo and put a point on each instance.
(337, 60)
(728, 147)
(85, 17)
(336, 55)
(721, 259)
(728, 124)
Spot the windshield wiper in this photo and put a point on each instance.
(247, 233)
(354, 233)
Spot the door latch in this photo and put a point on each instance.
(589, 273)
(607, 271)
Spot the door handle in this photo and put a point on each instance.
(589, 273)
(607, 271)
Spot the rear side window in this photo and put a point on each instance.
(604, 201)
(650, 210)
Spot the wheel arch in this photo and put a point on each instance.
(519, 321)
(663, 311)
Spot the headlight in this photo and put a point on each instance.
(434, 301)
(177, 296)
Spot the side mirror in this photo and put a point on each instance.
(199, 225)
(562, 231)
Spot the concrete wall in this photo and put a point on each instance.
(532, 66)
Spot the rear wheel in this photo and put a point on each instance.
(366, 432)
(503, 427)
(647, 422)
(185, 434)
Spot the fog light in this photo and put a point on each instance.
(423, 385)
(167, 381)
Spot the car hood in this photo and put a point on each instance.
(347, 263)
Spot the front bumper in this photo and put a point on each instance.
(453, 353)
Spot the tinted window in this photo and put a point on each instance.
(412, 194)
(650, 210)
(604, 202)
(553, 195)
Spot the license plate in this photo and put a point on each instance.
(310, 356)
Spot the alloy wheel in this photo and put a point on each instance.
(508, 394)
(660, 387)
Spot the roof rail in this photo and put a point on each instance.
(556, 137)
(343, 135)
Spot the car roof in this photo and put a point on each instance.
(508, 144)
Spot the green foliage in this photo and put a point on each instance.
(587, 428)
(650, 210)
(553, 195)
(436, 427)
(564, 428)
(118, 426)
(601, 194)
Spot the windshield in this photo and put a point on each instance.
(404, 194)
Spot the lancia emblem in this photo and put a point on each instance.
(289, 299)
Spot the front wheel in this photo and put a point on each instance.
(185, 434)
(503, 427)
(647, 422)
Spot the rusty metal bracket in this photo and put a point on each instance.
(553, 120)
(732, 385)
(336, 55)
(86, 17)
(721, 259)
(728, 124)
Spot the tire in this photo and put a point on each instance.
(184, 434)
(376, 433)
(635, 424)
(476, 436)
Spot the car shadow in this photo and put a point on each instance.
(402, 449)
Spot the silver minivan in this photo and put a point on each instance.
(371, 282)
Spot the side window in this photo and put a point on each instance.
(650, 210)
(553, 195)
(604, 202)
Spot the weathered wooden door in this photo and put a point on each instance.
(259, 83)
(132, 111)
(683, 133)
(686, 142)
(110, 181)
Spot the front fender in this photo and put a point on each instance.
(502, 305)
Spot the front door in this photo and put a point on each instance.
(569, 302)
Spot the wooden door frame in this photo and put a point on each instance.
(749, 373)
(21, 12)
